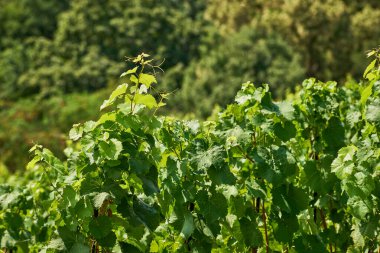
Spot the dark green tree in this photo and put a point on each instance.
(251, 55)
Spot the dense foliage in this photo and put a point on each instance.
(51, 49)
(301, 175)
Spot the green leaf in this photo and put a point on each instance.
(360, 185)
(286, 109)
(154, 247)
(334, 135)
(343, 165)
(100, 227)
(56, 245)
(281, 199)
(366, 93)
(88, 126)
(228, 191)
(237, 136)
(139, 166)
(76, 132)
(251, 233)
(256, 190)
(84, 208)
(373, 111)
(79, 248)
(206, 159)
(275, 164)
(110, 149)
(150, 181)
(106, 117)
(241, 98)
(129, 72)
(99, 199)
(14, 221)
(285, 131)
(284, 228)
(148, 214)
(69, 237)
(147, 79)
(235, 230)
(107, 241)
(69, 197)
(146, 99)
(357, 207)
(369, 68)
(212, 207)
(371, 52)
(7, 241)
(120, 90)
(221, 174)
(357, 237)
(310, 244)
(52, 161)
(135, 80)
(188, 225)
(299, 198)
(130, 248)
(290, 199)
(313, 177)
(90, 184)
(9, 199)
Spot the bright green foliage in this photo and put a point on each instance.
(265, 176)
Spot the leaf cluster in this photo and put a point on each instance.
(265, 176)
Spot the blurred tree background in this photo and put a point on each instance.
(60, 58)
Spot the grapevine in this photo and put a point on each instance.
(300, 175)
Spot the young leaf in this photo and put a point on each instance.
(76, 132)
(146, 99)
(366, 93)
(110, 149)
(120, 90)
(188, 225)
(129, 72)
(369, 68)
(343, 165)
(147, 79)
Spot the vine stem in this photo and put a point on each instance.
(324, 224)
(93, 246)
(256, 206)
(254, 139)
(246, 155)
(265, 229)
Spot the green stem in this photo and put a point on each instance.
(324, 224)
(265, 229)
(136, 87)
(246, 155)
